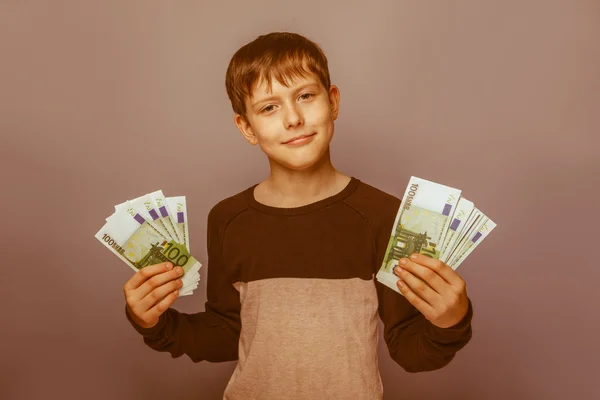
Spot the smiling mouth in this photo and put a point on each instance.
(299, 139)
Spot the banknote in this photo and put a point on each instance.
(178, 207)
(138, 244)
(145, 207)
(421, 223)
(448, 252)
(165, 215)
(471, 224)
(456, 227)
(466, 237)
(473, 242)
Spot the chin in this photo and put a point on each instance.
(300, 166)
(301, 161)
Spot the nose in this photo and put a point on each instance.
(293, 118)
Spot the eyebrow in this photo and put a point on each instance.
(299, 88)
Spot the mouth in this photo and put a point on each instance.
(300, 139)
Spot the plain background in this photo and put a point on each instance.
(104, 101)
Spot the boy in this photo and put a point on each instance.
(291, 292)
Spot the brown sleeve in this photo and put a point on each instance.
(413, 342)
(211, 335)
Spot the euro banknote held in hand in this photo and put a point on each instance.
(435, 220)
(152, 229)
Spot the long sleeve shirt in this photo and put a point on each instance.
(292, 296)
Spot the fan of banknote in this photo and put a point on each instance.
(434, 220)
(149, 230)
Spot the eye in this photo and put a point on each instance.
(303, 96)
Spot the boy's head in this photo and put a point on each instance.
(279, 88)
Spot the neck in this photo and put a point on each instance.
(291, 188)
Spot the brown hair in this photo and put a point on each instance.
(283, 55)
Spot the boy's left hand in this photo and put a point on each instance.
(444, 302)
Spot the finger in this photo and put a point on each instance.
(418, 287)
(156, 295)
(162, 305)
(156, 281)
(413, 299)
(144, 274)
(440, 267)
(428, 275)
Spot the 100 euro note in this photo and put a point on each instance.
(467, 237)
(143, 205)
(166, 216)
(473, 223)
(177, 206)
(138, 244)
(463, 212)
(473, 242)
(420, 225)
(146, 208)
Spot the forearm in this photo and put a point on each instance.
(421, 346)
(201, 336)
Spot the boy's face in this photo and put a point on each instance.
(305, 108)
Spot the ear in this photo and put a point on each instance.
(334, 101)
(245, 128)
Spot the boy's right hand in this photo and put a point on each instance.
(151, 291)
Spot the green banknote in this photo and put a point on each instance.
(420, 226)
(434, 220)
(136, 242)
